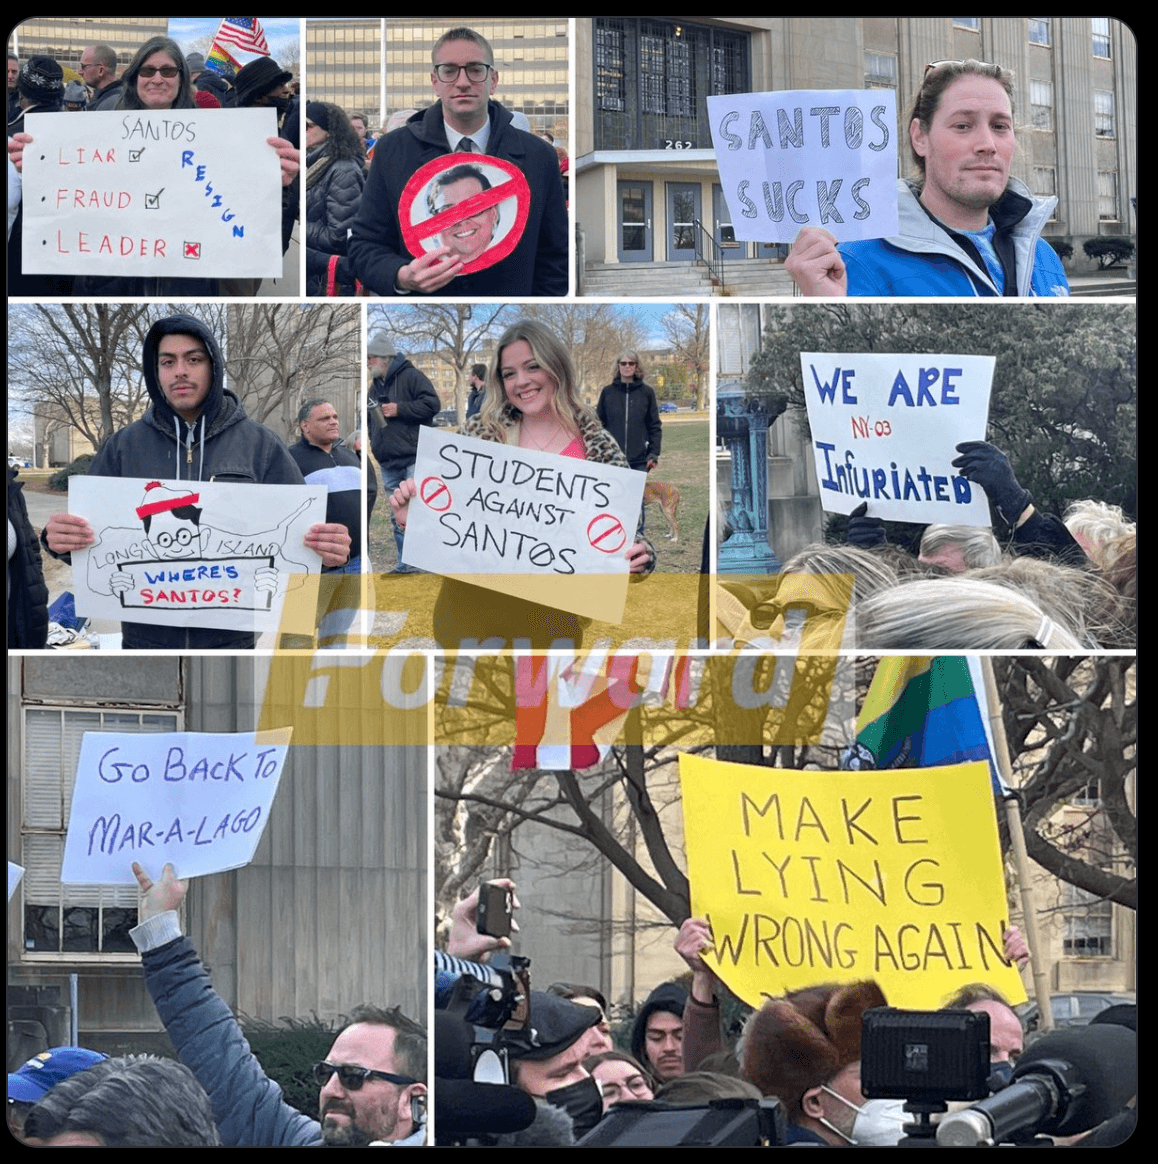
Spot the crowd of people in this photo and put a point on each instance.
(159, 77)
(802, 1049)
(1066, 582)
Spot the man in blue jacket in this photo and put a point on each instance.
(966, 227)
(372, 1081)
(463, 120)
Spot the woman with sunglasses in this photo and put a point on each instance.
(157, 78)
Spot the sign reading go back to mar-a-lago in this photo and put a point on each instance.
(182, 193)
(810, 877)
(198, 799)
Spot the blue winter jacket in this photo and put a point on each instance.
(927, 259)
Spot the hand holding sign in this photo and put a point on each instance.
(815, 264)
(460, 213)
(159, 896)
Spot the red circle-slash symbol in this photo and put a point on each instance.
(606, 533)
(435, 494)
(420, 229)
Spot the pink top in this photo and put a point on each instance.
(575, 449)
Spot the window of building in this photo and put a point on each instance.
(1039, 30)
(1108, 195)
(1045, 186)
(1088, 924)
(1041, 104)
(1103, 113)
(973, 23)
(652, 78)
(880, 70)
(1100, 27)
(70, 919)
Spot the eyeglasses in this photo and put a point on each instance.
(166, 71)
(352, 1078)
(475, 71)
(182, 537)
(627, 363)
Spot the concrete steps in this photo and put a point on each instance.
(743, 278)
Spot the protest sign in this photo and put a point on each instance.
(184, 193)
(198, 799)
(810, 877)
(885, 430)
(193, 553)
(808, 157)
(533, 525)
(475, 204)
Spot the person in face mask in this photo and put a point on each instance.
(547, 1062)
(805, 1050)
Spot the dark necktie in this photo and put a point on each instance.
(465, 146)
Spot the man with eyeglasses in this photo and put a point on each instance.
(98, 70)
(372, 1089)
(966, 227)
(464, 119)
(194, 430)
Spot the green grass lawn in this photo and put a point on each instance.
(685, 463)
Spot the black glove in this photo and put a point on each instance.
(986, 465)
(865, 533)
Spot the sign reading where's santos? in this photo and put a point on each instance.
(810, 877)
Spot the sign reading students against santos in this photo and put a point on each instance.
(551, 529)
(811, 877)
(184, 193)
(885, 430)
(808, 157)
(198, 799)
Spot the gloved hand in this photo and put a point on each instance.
(986, 465)
(865, 533)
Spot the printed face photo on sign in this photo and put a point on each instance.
(461, 204)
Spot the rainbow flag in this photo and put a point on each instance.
(921, 712)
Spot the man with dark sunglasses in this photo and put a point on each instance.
(464, 119)
(372, 1081)
(966, 227)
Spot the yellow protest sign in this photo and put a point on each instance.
(810, 877)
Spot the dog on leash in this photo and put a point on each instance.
(668, 497)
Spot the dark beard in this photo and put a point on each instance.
(350, 1135)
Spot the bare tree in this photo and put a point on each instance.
(78, 365)
(686, 327)
(455, 333)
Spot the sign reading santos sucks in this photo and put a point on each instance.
(511, 519)
(188, 193)
(885, 430)
(809, 157)
(198, 799)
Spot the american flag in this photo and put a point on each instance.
(244, 33)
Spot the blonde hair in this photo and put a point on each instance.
(550, 353)
(1094, 523)
(977, 544)
(958, 614)
(870, 572)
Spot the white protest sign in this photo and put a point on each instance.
(193, 553)
(885, 430)
(198, 799)
(808, 157)
(523, 522)
(184, 193)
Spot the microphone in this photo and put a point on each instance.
(1069, 1081)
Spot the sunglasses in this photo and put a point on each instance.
(352, 1078)
(933, 66)
(166, 71)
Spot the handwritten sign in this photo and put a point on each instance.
(885, 430)
(472, 203)
(198, 799)
(193, 553)
(531, 524)
(811, 877)
(187, 193)
(808, 157)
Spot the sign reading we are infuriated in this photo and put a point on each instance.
(809, 877)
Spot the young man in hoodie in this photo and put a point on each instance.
(195, 430)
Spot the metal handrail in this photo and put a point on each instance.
(709, 254)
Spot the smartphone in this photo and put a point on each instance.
(494, 911)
